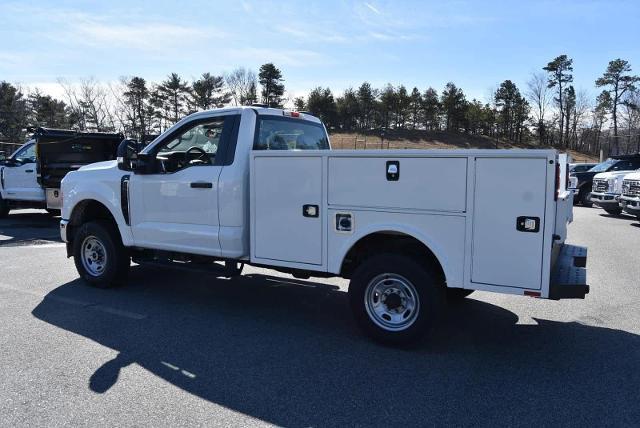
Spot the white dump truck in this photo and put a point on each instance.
(30, 177)
(411, 229)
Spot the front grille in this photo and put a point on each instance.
(631, 187)
(600, 186)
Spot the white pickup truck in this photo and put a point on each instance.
(606, 191)
(630, 198)
(31, 177)
(260, 186)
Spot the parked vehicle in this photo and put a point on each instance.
(580, 167)
(606, 191)
(581, 183)
(260, 186)
(630, 198)
(31, 177)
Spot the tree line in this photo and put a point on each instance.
(548, 111)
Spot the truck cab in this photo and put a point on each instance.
(19, 180)
(411, 229)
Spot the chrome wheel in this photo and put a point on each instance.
(94, 256)
(392, 302)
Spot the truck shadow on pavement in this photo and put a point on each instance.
(29, 228)
(287, 352)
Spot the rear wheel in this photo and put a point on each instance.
(585, 198)
(614, 211)
(395, 300)
(100, 258)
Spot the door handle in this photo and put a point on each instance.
(28, 171)
(201, 185)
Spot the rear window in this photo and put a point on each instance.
(290, 134)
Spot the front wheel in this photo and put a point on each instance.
(395, 300)
(613, 211)
(585, 198)
(100, 258)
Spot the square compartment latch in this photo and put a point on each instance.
(528, 224)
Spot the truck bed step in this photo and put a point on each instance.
(569, 277)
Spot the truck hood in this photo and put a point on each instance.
(633, 175)
(611, 174)
(111, 164)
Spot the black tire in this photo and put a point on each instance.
(457, 294)
(613, 211)
(53, 213)
(4, 208)
(116, 265)
(386, 270)
(585, 196)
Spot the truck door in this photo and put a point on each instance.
(176, 206)
(508, 221)
(20, 177)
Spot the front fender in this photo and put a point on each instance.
(106, 193)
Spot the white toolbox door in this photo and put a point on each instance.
(506, 190)
(283, 229)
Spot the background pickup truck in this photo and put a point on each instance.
(582, 182)
(410, 229)
(31, 177)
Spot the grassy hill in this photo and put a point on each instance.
(418, 139)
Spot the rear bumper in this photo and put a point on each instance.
(569, 277)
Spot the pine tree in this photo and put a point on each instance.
(272, 87)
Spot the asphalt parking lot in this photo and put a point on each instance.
(178, 348)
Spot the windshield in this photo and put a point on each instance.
(602, 167)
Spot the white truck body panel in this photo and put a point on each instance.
(471, 229)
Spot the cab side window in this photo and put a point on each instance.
(196, 145)
(26, 154)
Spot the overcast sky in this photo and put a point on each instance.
(476, 44)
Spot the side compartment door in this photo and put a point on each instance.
(508, 222)
(287, 200)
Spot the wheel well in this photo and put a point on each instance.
(88, 210)
(391, 242)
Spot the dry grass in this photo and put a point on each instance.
(417, 139)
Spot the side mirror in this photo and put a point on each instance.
(126, 154)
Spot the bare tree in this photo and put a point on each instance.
(242, 85)
(580, 109)
(539, 96)
(90, 104)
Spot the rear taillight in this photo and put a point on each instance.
(557, 181)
